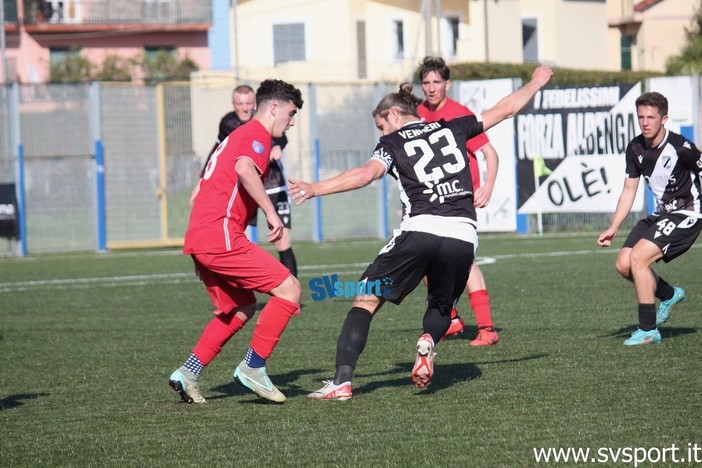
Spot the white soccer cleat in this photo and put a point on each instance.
(330, 391)
(256, 379)
(423, 369)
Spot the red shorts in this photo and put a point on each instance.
(232, 277)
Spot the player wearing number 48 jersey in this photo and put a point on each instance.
(671, 165)
(437, 237)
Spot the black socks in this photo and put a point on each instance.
(351, 342)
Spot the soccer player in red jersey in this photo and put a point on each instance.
(243, 100)
(231, 266)
(434, 76)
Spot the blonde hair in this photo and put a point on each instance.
(404, 101)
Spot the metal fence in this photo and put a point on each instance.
(115, 12)
(105, 166)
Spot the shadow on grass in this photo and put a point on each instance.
(15, 401)
(285, 382)
(666, 332)
(445, 375)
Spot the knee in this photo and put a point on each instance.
(623, 267)
(639, 260)
(289, 290)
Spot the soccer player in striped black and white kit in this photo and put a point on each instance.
(671, 166)
(437, 237)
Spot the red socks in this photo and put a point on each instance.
(271, 324)
(215, 336)
(480, 303)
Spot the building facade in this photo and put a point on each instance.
(643, 34)
(41, 32)
(343, 40)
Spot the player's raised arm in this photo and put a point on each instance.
(351, 179)
(510, 105)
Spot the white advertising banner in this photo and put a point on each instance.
(570, 149)
(501, 213)
(680, 92)
(582, 183)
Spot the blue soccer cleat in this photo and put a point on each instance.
(666, 307)
(640, 337)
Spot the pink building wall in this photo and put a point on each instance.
(32, 55)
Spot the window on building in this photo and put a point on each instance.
(12, 70)
(398, 34)
(362, 72)
(10, 11)
(626, 52)
(530, 39)
(59, 55)
(61, 11)
(152, 52)
(288, 42)
(449, 35)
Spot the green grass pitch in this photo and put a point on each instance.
(88, 341)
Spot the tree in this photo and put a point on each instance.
(690, 59)
(165, 66)
(72, 69)
(115, 68)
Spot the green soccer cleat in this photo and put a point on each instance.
(185, 383)
(256, 379)
(640, 337)
(666, 307)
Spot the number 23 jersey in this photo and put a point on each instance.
(430, 164)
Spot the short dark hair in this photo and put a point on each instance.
(278, 90)
(654, 99)
(404, 101)
(434, 64)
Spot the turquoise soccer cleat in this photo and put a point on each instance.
(640, 337)
(666, 307)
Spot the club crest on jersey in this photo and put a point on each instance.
(258, 147)
(383, 156)
(666, 161)
(640, 158)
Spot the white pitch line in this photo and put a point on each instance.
(178, 277)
